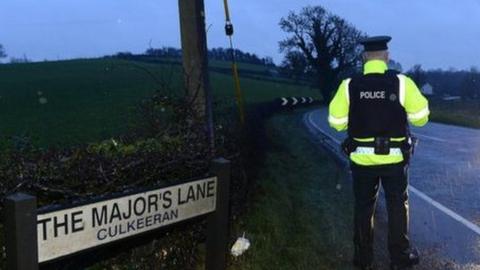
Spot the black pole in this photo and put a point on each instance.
(218, 230)
(21, 232)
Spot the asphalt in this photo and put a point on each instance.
(444, 191)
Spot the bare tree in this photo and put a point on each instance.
(3, 54)
(328, 42)
(295, 65)
(470, 84)
(394, 65)
(418, 75)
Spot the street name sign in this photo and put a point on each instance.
(70, 230)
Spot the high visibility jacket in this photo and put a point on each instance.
(412, 104)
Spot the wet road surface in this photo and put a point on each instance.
(444, 190)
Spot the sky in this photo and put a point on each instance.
(433, 33)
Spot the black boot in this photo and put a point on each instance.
(409, 258)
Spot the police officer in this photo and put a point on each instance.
(375, 109)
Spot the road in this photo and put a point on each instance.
(444, 189)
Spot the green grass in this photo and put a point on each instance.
(298, 219)
(91, 100)
(459, 112)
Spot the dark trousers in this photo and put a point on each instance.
(366, 182)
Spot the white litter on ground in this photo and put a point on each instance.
(240, 246)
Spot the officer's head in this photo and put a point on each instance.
(375, 48)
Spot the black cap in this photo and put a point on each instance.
(378, 43)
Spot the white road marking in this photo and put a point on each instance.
(423, 196)
(445, 210)
(321, 130)
(430, 137)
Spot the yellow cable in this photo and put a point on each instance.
(236, 77)
(238, 93)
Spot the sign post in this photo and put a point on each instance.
(217, 222)
(21, 232)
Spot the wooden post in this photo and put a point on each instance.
(21, 232)
(195, 61)
(218, 230)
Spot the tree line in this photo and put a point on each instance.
(220, 54)
(3, 54)
(451, 82)
(13, 60)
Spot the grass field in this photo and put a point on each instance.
(79, 101)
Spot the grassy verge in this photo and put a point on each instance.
(297, 219)
(457, 112)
